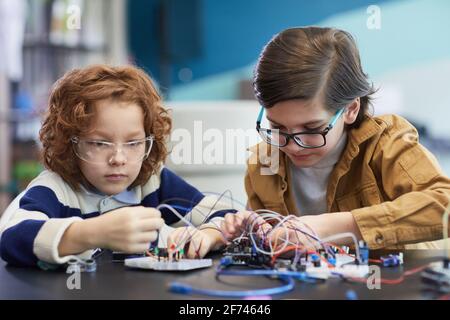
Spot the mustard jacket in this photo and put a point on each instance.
(393, 186)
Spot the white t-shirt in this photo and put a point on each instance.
(309, 185)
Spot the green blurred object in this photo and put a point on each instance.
(23, 173)
(27, 170)
(47, 266)
(10, 188)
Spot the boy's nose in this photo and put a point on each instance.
(292, 146)
(118, 158)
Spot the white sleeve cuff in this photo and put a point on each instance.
(47, 241)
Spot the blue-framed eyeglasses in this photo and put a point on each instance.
(305, 139)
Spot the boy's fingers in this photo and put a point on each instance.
(238, 221)
(194, 246)
(145, 212)
(263, 229)
(280, 237)
(147, 237)
(229, 223)
(223, 229)
(151, 224)
(274, 237)
(183, 235)
(294, 237)
(204, 248)
(137, 248)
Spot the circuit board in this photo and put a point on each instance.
(152, 263)
(318, 266)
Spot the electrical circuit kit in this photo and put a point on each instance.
(287, 261)
(163, 259)
(297, 255)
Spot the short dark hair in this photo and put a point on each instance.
(303, 63)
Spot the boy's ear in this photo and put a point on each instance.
(351, 112)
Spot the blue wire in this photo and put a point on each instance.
(187, 289)
(287, 276)
(299, 275)
(259, 273)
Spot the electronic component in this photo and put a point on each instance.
(320, 265)
(345, 249)
(287, 261)
(242, 252)
(81, 265)
(437, 277)
(153, 263)
(363, 252)
(392, 260)
(167, 259)
(170, 254)
(345, 266)
(315, 259)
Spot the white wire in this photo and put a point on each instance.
(275, 216)
(272, 215)
(175, 212)
(251, 234)
(187, 222)
(286, 218)
(286, 240)
(220, 197)
(230, 197)
(196, 209)
(269, 214)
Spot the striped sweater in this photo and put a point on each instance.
(49, 205)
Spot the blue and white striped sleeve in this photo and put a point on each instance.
(37, 224)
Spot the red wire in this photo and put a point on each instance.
(445, 297)
(396, 280)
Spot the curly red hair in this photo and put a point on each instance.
(70, 112)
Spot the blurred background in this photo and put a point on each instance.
(201, 54)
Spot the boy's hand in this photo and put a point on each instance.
(199, 242)
(236, 223)
(128, 229)
(293, 232)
